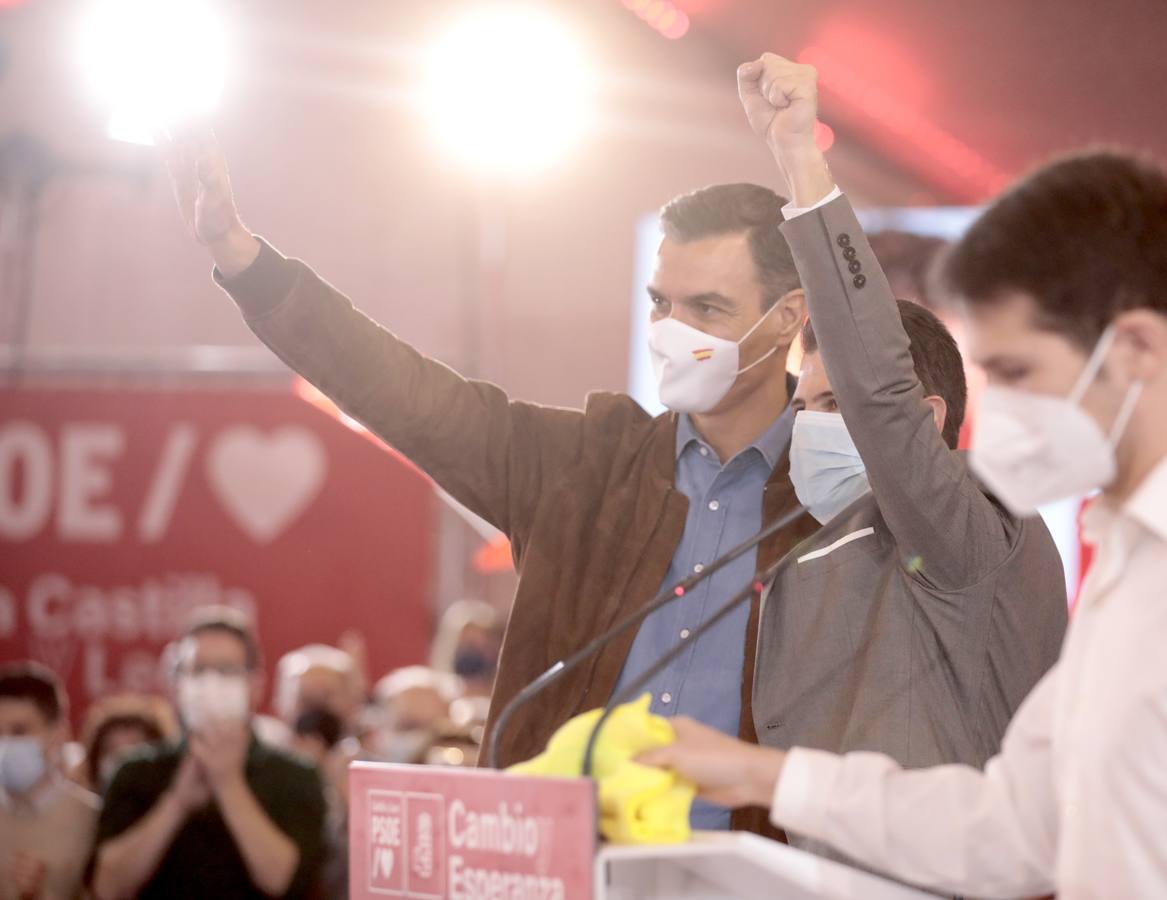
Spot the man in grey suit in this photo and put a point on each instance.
(918, 618)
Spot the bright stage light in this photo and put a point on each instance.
(153, 62)
(508, 89)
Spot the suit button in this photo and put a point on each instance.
(844, 240)
(854, 265)
(859, 280)
(849, 253)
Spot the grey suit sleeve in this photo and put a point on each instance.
(948, 531)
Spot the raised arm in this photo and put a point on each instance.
(489, 452)
(937, 512)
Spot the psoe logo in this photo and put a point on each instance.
(386, 839)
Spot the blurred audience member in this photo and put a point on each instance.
(468, 643)
(414, 704)
(46, 821)
(315, 734)
(316, 737)
(324, 684)
(117, 726)
(318, 677)
(221, 814)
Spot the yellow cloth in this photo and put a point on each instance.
(638, 804)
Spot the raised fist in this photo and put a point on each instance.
(780, 98)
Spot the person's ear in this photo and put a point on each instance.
(789, 314)
(939, 410)
(1140, 345)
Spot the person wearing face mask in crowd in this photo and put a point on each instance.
(467, 643)
(1064, 279)
(319, 678)
(413, 704)
(604, 506)
(220, 814)
(47, 822)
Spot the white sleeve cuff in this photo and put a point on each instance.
(790, 211)
(800, 795)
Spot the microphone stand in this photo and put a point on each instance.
(563, 666)
(756, 586)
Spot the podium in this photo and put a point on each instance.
(431, 832)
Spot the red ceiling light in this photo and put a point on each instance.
(904, 130)
(668, 19)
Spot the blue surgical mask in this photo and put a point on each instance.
(469, 662)
(826, 469)
(22, 763)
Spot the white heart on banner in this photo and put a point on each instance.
(265, 481)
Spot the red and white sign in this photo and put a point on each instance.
(432, 832)
(123, 509)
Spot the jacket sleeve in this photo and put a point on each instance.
(489, 452)
(950, 534)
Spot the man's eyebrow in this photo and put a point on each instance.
(709, 297)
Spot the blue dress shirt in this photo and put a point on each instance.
(725, 508)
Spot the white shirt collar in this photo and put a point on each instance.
(1147, 506)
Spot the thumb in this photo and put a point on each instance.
(750, 71)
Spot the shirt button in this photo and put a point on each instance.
(699, 568)
(684, 633)
(666, 697)
(714, 505)
(704, 451)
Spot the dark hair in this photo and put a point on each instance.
(95, 746)
(732, 208)
(935, 357)
(33, 682)
(226, 620)
(1084, 236)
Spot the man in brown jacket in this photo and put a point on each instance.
(605, 505)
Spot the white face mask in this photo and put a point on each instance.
(212, 696)
(826, 469)
(22, 764)
(1032, 449)
(695, 370)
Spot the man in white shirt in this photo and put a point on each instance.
(1065, 284)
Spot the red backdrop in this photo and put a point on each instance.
(122, 509)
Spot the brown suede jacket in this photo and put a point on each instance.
(586, 497)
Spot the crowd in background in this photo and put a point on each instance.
(198, 791)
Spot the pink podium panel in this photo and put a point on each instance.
(431, 832)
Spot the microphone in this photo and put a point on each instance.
(756, 586)
(563, 666)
